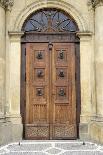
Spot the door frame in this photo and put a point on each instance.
(33, 37)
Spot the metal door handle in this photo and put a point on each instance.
(50, 46)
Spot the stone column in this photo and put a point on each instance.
(5, 126)
(96, 125)
(14, 84)
(92, 29)
(8, 7)
(99, 56)
(2, 61)
(86, 45)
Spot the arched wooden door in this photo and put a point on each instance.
(48, 81)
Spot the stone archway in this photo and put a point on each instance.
(55, 114)
(85, 47)
(39, 4)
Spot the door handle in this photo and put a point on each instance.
(50, 46)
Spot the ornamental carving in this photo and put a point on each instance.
(7, 4)
(95, 3)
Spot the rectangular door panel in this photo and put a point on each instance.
(37, 91)
(63, 100)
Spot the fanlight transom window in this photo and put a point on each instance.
(50, 20)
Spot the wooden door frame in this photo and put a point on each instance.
(37, 37)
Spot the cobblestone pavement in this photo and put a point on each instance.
(52, 148)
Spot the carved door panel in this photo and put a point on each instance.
(63, 91)
(37, 91)
(50, 91)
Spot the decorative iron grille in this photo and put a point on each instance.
(50, 20)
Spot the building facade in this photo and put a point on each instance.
(86, 97)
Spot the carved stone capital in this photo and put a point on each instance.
(2, 2)
(7, 4)
(95, 3)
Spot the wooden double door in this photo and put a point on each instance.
(50, 111)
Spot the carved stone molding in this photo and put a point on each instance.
(7, 4)
(85, 36)
(95, 3)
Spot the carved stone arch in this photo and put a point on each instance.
(62, 5)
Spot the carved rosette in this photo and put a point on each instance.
(95, 3)
(7, 4)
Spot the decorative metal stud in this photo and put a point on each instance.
(40, 73)
(61, 73)
(61, 55)
(39, 56)
(39, 92)
(62, 92)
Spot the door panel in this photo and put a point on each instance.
(37, 92)
(63, 81)
(50, 91)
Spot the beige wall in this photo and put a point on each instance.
(96, 127)
(99, 58)
(2, 61)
